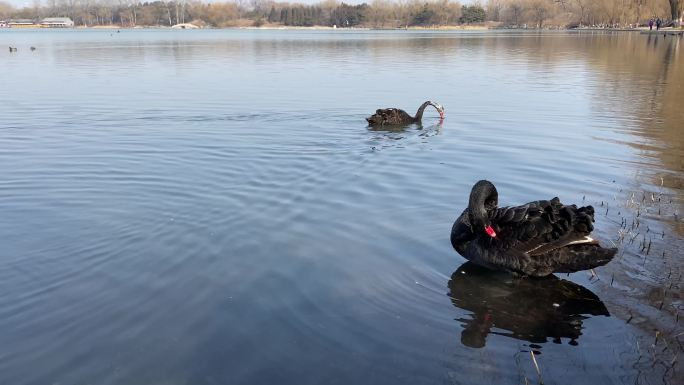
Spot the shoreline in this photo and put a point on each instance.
(188, 26)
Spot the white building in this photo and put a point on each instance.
(57, 22)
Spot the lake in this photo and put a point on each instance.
(209, 206)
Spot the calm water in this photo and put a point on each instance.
(209, 207)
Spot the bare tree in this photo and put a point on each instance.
(6, 9)
(539, 11)
(514, 13)
(562, 3)
(582, 6)
(494, 10)
(676, 10)
(241, 5)
(379, 13)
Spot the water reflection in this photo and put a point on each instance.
(649, 72)
(436, 126)
(532, 310)
(392, 136)
(170, 189)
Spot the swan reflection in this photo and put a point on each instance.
(437, 126)
(393, 136)
(529, 309)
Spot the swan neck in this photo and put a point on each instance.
(419, 113)
(483, 198)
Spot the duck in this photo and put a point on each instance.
(33, 48)
(396, 116)
(13, 49)
(535, 239)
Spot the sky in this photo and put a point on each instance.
(28, 3)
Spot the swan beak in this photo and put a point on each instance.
(490, 231)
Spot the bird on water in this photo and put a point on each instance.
(536, 239)
(396, 116)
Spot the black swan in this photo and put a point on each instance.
(533, 310)
(396, 116)
(536, 239)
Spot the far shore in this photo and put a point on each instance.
(409, 28)
(314, 27)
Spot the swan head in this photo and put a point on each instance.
(483, 198)
(439, 108)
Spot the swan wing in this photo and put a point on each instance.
(389, 116)
(539, 227)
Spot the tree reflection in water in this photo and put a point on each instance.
(527, 309)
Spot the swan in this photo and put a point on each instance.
(535, 239)
(396, 116)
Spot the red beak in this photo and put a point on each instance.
(441, 115)
(490, 231)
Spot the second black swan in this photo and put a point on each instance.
(396, 116)
(535, 239)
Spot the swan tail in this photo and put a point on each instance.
(570, 258)
(582, 256)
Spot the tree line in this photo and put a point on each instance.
(375, 14)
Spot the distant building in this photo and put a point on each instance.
(57, 22)
(184, 26)
(21, 23)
